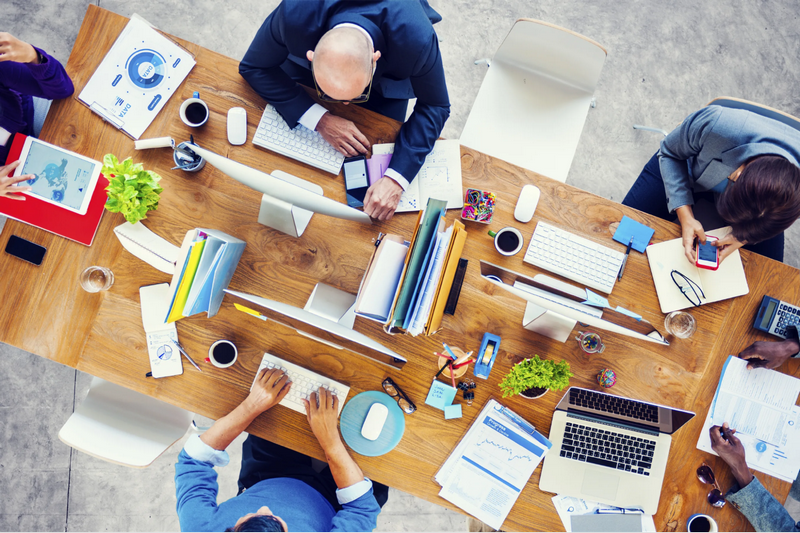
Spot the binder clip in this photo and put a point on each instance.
(467, 390)
(486, 355)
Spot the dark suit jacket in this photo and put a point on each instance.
(410, 63)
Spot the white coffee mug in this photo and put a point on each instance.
(223, 344)
(701, 522)
(504, 238)
(191, 120)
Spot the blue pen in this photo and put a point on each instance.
(619, 510)
(449, 351)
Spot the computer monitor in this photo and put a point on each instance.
(327, 318)
(559, 299)
(288, 202)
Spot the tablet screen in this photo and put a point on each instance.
(61, 177)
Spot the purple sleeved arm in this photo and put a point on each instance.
(47, 80)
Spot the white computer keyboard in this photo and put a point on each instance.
(574, 257)
(304, 382)
(300, 144)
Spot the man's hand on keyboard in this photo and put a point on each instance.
(322, 410)
(382, 198)
(268, 390)
(342, 135)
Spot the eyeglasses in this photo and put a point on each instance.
(706, 475)
(397, 393)
(363, 97)
(688, 287)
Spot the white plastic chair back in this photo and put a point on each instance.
(123, 426)
(759, 109)
(532, 104)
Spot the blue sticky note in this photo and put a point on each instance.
(630, 228)
(629, 313)
(440, 395)
(595, 300)
(452, 411)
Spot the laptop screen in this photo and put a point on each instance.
(626, 411)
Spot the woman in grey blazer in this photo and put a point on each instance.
(744, 163)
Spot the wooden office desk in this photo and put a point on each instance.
(46, 312)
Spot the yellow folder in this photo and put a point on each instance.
(454, 250)
(185, 282)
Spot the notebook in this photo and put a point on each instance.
(728, 281)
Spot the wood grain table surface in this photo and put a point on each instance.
(46, 312)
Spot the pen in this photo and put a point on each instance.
(449, 351)
(186, 355)
(625, 259)
(619, 510)
(523, 425)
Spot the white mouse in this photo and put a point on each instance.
(527, 202)
(373, 423)
(237, 126)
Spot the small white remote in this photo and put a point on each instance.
(527, 202)
(373, 423)
(237, 126)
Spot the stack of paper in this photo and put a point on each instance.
(488, 469)
(207, 261)
(379, 286)
(439, 177)
(760, 405)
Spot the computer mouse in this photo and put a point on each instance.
(527, 202)
(237, 126)
(373, 423)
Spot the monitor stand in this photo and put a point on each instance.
(332, 304)
(547, 323)
(283, 216)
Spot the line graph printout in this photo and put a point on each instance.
(490, 467)
(755, 402)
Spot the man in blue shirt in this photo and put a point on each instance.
(277, 491)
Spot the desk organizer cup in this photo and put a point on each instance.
(459, 372)
(479, 206)
(223, 354)
(186, 162)
(194, 111)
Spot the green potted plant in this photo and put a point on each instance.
(532, 378)
(132, 190)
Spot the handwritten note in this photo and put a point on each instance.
(440, 395)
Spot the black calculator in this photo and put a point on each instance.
(774, 316)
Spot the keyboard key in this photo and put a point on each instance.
(601, 462)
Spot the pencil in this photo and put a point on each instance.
(452, 374)
(441, 369)
(449, 351)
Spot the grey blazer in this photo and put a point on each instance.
(713, 142)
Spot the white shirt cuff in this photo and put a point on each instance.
(200, 451)
(353, 492)
(395, 175)
(310, 118)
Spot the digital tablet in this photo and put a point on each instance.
(62, 177)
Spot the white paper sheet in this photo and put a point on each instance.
(567, 506)
(378, 295)
(165, 358)
(136, 78)
(756, 402)
(491, 465)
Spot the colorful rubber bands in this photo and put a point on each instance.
(479, 206)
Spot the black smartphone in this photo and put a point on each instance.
(25, 250)
(356, 181)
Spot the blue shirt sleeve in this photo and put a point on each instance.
(683, 143)
(196, 491)
(761, 508)
(360, 514)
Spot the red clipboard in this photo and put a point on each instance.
(49, 217)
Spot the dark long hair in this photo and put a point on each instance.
(764, 201)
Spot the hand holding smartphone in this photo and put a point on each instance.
(707, 254)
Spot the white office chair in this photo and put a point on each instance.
(533, 102)
(123, 426)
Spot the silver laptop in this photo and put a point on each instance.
(610, 449)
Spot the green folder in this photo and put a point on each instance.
(420, 255)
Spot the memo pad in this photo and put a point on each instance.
(630, 228)
(440, 395)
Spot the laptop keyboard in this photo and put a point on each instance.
(607, 448)
(614, 405)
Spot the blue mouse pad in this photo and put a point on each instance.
(352, 418)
